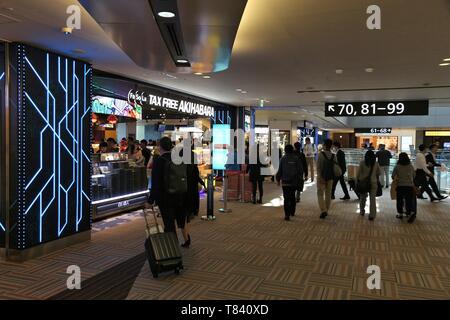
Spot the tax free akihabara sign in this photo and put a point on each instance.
(190, 107)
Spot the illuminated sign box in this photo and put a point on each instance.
(437, 133)
(221, 142)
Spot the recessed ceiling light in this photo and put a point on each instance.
(243, 91)
(182, 61)
(369, 70)
(198, 74)
(206, 77)
(238, 89)
(447, 59)
(445, 64)
(339, 71)
(166, 14)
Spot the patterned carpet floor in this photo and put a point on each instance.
(252, 253)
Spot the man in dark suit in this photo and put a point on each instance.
(340, 156)
(301, 155)
(431, 164)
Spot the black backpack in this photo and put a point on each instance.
(328, 168)
(175, 177)
(292, 172)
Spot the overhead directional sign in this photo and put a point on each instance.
(377, 108)
(374, 131)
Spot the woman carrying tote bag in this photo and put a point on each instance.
(404, 174)
(367, 183)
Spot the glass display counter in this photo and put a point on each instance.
(118, 184)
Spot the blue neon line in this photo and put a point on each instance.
(1, 225)
(40, 160)
(2, 75)
(53, 130)
(35, 199)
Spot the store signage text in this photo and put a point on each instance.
(377, 108)
(146, 99)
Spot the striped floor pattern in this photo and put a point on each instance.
(252, 253)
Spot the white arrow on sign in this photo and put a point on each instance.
(331, 107)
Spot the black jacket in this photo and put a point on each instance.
(286, 174)
(302, 157)
(431, 163)
(340, 157)
(384, 157)
(157, 193)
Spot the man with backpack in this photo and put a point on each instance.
(288, 175)
(169, 189)
(325, 177)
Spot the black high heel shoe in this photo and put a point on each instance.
(187, 243)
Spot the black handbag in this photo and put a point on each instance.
(364, 185)
(379, 188)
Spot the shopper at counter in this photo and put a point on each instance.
(112, 145)
(171, 205)
(135, 153)
(145, 152)
(103, 147)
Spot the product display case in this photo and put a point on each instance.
(118, 184)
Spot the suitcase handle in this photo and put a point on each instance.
(144, 213)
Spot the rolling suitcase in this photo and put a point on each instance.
(163, 249)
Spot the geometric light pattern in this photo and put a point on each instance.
(54, 136)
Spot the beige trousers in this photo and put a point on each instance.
(324, 194)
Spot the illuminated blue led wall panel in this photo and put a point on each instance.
(2, 141)
(52, 164)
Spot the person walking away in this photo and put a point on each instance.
(255, 177)
(169, 189)
(369, 170)
(384, 159)
(302, 179)
(340, 156)
(310, 152)
(288, 174)
(404, 175)
(431, 164)
(193, 180)
(325, 177)
(422, 174)
(145, 152)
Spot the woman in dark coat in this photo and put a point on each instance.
(193, 180)
(255, 177)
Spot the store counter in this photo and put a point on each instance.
(118, 185)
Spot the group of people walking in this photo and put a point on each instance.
(409, 182)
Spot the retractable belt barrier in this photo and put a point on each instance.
(209, 198)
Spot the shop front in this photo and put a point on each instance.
(127, 112)
(394, 140)
(57, 174)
